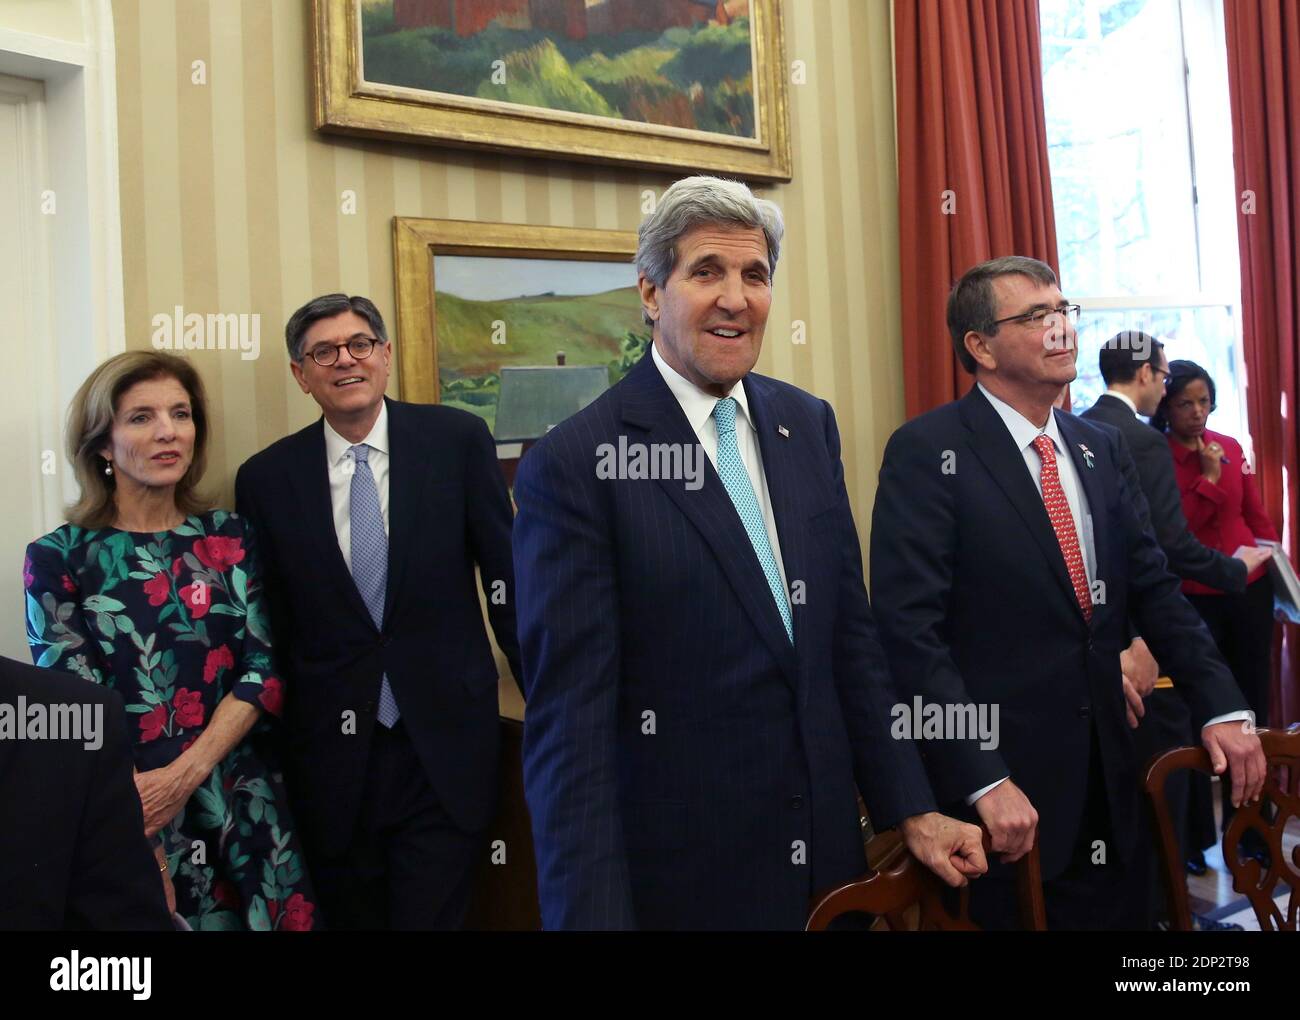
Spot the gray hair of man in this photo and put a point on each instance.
(326, 307)
(972, 304)
(695, 202)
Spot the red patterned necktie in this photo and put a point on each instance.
(1058, 511)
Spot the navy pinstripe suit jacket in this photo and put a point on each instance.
(685, 765)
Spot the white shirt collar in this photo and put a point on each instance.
(336, 447)
(1124, 397)
(696, 404)
(1022, 430)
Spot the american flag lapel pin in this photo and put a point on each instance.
(785, 432)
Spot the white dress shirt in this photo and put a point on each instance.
(698, 408)
(339, 460)
(1124, 397)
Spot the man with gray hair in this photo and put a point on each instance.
(1007, 554)
(370, 523)
(706, 695)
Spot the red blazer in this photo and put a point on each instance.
(1223, 516)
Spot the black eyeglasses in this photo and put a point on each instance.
(1039, 315)
(359, 347)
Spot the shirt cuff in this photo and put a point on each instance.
(1232, 717)
(983, 790)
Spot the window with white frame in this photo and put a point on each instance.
(1140, 146)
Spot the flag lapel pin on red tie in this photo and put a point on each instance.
(785, 432)
(1087, 455)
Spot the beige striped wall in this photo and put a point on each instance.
(232, 203)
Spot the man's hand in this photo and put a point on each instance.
(1010, 818)
(1139, 666)
(1135, 710)
(951, 849)
(1253, 556)
(1236, 747)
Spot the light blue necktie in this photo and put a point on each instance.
(370, 560)
(731, 469)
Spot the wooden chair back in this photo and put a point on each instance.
(1259, 885)
(907, 896)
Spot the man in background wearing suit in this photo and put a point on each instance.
(706, 693)
(370, 523)
(1134, 367)
(73, 854)
(1007, 556)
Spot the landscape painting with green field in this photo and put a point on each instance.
(675, 63)
(524, 343)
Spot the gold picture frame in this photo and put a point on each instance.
(416, 243)
(344, 102)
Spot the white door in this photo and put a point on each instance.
(30, 456)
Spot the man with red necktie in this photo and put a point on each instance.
(1007, 553)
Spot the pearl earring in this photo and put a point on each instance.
(108, 468)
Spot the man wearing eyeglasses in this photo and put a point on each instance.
(1007, 555)
(369, 525)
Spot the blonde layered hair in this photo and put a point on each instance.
(90, 430)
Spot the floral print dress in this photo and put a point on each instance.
(174, 622)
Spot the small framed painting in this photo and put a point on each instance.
(520, 325)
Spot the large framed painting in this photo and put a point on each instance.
(674, 85)
(522, 326)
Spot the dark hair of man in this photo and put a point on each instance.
(326, 307)
(973, 305)
(1123, 354)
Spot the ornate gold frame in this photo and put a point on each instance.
(344, 103)
(416, 241)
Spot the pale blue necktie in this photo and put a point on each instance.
(731, 469)
(370, 560)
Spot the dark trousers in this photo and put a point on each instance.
(409, 867)
(1242, 627)
(1108, 895)
(1166, 725)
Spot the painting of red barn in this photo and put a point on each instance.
(690, 84)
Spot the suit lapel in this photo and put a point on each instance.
(405, 486)
(995, 448)
(650, 405)
(310, 471)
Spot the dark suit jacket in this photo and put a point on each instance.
(448, 510)
(73, 853)
(685, 765)
(1188, 558)
(974, 604)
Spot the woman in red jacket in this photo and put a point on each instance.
(1224, 511)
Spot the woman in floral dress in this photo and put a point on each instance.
(148, 591)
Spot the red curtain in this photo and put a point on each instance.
(973, 180)
(1264, 84)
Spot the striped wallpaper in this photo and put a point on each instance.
(231, 203)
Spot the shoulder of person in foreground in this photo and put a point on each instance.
(112, 880)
